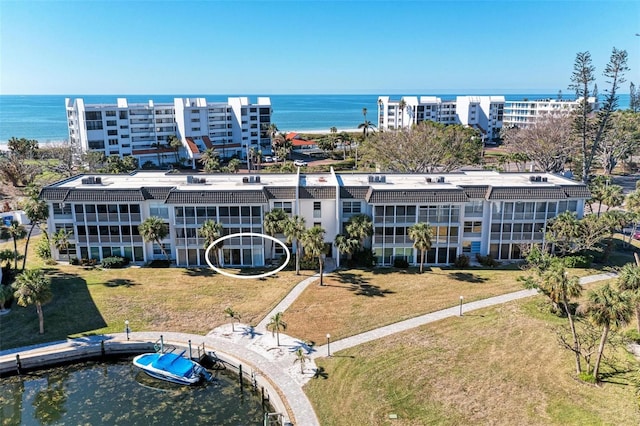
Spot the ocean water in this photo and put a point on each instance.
(43, 117)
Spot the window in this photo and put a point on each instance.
(61, 209)
(110, 113)
(124, 115)
(93, 115)
(96, 144)
(113, 141)
(475, 227)
(112, 132)
(317, 209)
(112, 123)
(351, 207)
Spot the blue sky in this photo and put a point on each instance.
(289, 47)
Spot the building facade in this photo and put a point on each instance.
(525, 113)
(484, 113)
(471, 212)
(143, 130)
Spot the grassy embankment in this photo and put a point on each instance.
(500, 365)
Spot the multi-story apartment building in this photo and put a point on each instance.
(484, 113)
(143, 129)
(470, 212)
(525, 112)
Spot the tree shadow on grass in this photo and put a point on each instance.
(350, 278)
(71, 311)
(391, 270)
(320, 373)
(120, 282)
(199, 272)
(468, 277)
(370, 290)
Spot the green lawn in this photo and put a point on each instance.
(499, 365)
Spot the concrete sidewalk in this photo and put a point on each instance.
(401, 326)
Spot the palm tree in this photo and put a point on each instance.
(276, 324)
(632, 205)
(210, 160)
(210, 232)
(301, 357)
(607, 308)
(274, 223)
(345, 139)
(366, 124)
(158, 146)
(17, 232)
(6, 292)
(33, 288)
(629, 280)
(61, 241)
(294, 229)
(421, 235)
(38, 212)
(233, 315)
(360, 227)
(153, 229)
(174, 143)
(560, 289)
(313, 242)
(612, 197)
(346, 244)
(401, 105)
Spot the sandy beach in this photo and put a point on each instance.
(324, 132)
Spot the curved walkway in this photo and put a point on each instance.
(260, 350)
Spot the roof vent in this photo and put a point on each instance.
(383, 179)
(257, 179)
(245, 179)
(545, 179)
(189, 179)
(532, 178)
(92, 180)
(440, 179)
(427, 179)
(372, 178)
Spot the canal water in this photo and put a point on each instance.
(117, 393)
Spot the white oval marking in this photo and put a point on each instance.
(248, 234)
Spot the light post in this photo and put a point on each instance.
(328, 343)
(126, 328)
(461, 299)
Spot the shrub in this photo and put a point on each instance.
(88, 262)
(462, 261)
(307, 262)
(587, 377)
(43, 249)
(633, 335)
(487, 260)
(114, 262)
(364, 258)
(577, 261)
(159, 263)
(74, 261)
(400, 263)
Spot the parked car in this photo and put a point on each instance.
(268, 159)
(637, 235)
(299, 163)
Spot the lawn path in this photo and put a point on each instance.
(405, 325)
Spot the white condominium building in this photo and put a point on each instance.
(470, 212)
(483, 113)
(525, 112)
(142, 130)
